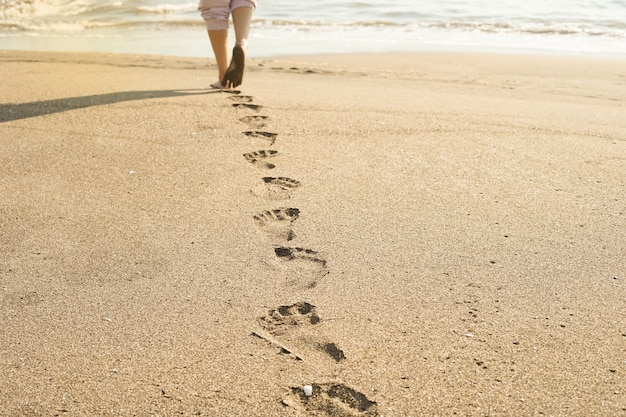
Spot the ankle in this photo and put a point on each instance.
(243, 44)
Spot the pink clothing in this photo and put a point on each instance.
(216, 13)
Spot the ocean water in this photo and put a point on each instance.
(282, 27)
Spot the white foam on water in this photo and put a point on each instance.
(285, 27)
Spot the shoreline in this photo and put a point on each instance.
(194, 43)
(329, 62)
(407, 234)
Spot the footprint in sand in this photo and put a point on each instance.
(298, 253)
(255, 121)
(288, 319)
(241, 99)
(277, 222)
(305, 267)
(282, 319)
(229, 91)
(21, 299)
(248, 106)
(258, 158)
(333, 351)
(332, 400)
(275, 188)
(259, 134)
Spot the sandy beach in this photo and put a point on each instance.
(407, 234)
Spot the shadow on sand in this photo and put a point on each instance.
(9, 112)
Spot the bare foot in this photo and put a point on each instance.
(217, 85)
(234, 73)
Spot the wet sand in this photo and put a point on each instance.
(409, 234)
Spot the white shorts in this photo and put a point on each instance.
(216, 13)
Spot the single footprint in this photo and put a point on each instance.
(279, 214)
(304, 266)
(275, 188)
(277, 222)
(298, 253)
(333, 351)
(303, 71)
(255, 121)
(258, 134)
(259, 158)
(284, 318)
(333, 400)
(241, 99)
(248, 106)
(229, 91)
(21, 299)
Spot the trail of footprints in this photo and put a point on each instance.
(306, 267)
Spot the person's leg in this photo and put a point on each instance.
(219, 43)
(242, 16)
(216, 14)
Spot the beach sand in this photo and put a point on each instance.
(410, 234)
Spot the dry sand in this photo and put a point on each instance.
(440, 234)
